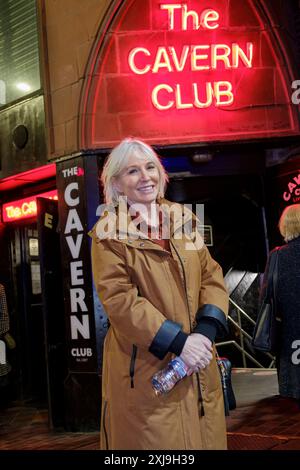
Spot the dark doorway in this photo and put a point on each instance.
(37, 312)
(30, 373)
(234, 214)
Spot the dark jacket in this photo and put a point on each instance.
(288, 298)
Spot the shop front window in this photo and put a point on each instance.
(19, 51)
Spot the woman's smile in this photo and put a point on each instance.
(147, 189)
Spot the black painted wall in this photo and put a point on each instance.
(31, 138)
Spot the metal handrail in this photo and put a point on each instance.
(243, 334)
(235, 344)
(242, 311)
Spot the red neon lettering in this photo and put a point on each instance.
(162, 60)
(178, 99)
(297, 179)
(29, 208)
(208, 19)
(246, 57)
(171, 13)
(189, 14)
(179, 63)
(291, 187)
(156, 103)
(217, 93)
(24, 208)
(209, 96)
(223, 97)
(131, 60)
(9, 211)
(193, 58)
(220, 52)
(209, 16)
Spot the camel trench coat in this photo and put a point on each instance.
(141, 285)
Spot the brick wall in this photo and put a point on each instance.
(68, 32)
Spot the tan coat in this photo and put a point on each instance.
(140, 286)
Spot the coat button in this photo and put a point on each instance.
(142, 244)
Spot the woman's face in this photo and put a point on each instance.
(139, 180)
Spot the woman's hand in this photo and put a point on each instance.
(197, 352)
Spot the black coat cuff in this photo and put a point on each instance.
(213, 312)
(177, 345)
(207, 327)
(163, 339)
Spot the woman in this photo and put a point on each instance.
(288, 303)
(164, 296)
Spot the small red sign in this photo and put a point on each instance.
(24, 208)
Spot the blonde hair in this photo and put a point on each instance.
(117, 161)
(289, 223)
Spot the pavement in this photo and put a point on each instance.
(262, 420)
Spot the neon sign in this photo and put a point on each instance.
(194, 58)
(214, 93)
(24, 208)
(190, 58)
(172, 72)
(206, 20)
(292, 194)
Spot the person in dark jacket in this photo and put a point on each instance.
(288, 303)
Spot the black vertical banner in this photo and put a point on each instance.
(75, 252)
(78, 196)
(53, 308)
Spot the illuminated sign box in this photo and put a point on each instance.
(291, 195)
(173, 72)
(24, 208)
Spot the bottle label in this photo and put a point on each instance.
(164, 380)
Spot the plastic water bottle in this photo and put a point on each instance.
(164, 380)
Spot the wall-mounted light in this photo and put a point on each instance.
(202, 157)
(22, 86)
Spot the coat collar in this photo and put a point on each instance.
(117, 223)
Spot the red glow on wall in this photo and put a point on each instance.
(28, 177)
(24, 208)
(173, 72)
